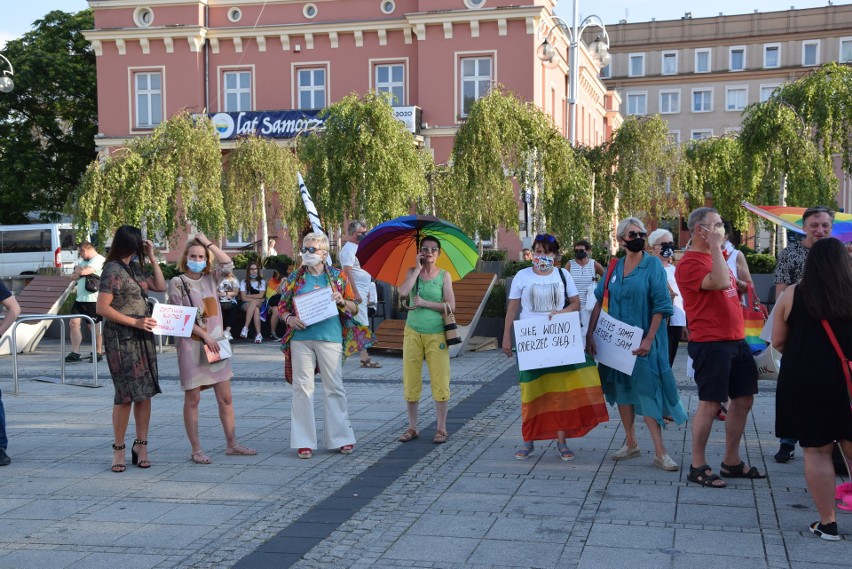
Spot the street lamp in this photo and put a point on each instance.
(6, 83)
(599, 50)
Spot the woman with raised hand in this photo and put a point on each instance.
(198, 287)
(556, 402)
(638, 295)
(128, 338)
(812, 403)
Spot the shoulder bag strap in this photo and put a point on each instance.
(142, 289)
(564, 285)
(609, 271)
(186, 290)
(843, 359)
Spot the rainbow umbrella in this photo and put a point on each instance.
(791, 218)
(389, 250)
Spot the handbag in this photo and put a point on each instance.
(451, 330)
(93, 282)
(225, 351)
(754, 317)
(847, 365)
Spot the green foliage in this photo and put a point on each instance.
(275, 261)
(495, 306)
(494, 255)
(512, 268)
(363, 165)
(504, 137)
(49, 121)
(759, 263)
(170, 270)
(161, 182)
(242, 260)
(258, 169)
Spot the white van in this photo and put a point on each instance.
(24, 249)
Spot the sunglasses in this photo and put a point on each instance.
(544, 237)
(429, 249)
(310, 250)
(667, 245)
(636, 235)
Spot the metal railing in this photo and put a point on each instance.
(39, 317)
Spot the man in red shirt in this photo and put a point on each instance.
(724, 365)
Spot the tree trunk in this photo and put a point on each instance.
(264, 233)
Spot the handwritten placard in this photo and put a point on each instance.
(315, 306)
(174, 320)
(543, 342)
(615, 342)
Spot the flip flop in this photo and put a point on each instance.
(198, 457)
(370, 364)
(408, 435)
(240, 450)
(739, 471)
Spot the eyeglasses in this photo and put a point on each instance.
(310, 250)
(719, 225)
(429, 249)
(544, 237)
(637, 234)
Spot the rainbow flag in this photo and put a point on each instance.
(791, 218)
(272, 286)
(564, 398)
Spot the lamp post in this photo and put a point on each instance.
(599, 49)
(6, 83)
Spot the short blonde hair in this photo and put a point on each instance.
(658, 235)
(318, 238)
(625, 223)
(182, 266)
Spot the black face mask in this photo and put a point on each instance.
(580, 254)
(635, 245)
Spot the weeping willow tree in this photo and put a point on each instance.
(261, 184)
(159, 182)
(503, 138)
(363, 164)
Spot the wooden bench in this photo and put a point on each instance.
(471, 295)
(42, 295)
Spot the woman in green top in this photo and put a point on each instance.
(424, 337)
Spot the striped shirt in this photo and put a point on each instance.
(583, 277)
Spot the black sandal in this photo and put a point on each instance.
(134, 458)
(118, 467)
(699, 475)
(739, 471)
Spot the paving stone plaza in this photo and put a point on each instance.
(464, 504)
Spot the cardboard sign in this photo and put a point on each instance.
(315, 306)
(174, 320)
(615, 342)
(544, 342)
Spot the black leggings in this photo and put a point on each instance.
(674, 341)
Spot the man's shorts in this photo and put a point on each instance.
(723, 370)
(87, 308)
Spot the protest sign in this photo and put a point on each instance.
(615, 342)
(315, 306)
(173, 320)
(544, 342)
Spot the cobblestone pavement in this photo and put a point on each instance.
(466, 503)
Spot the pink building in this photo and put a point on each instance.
(253, 60)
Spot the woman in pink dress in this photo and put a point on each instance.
(198, 287)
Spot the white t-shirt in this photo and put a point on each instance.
(732, 258)
(361, 277)
(97, 264)
(541, 294)
(679, 316)
(259, 288)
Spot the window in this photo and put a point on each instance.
(674, 136)
(149, 99)
(237, 92)
(235, 14)
(702, 100)
(845, 50)
(473, 4)
(475, 80)
(736, 58)
(669, 102)
(810, 53)
(387, 6)
(669, 63)
(771, 55)
(311, 88)
(606, 72)
(736, 98)
(310, 11)
(390, 79)
(637, 65)
(766, 92)
(239, 238)
(703, 64)
(701, 134)
(143, 17)
(637, 103)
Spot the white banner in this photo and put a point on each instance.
(315, 306)
(174, 320)
(615, 342)
(544, 342)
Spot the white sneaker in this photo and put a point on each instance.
(228, 335)
(244, 333)
(626, 452)
(665, 462)
(258, 339)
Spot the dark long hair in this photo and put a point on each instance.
(827, 281)
(127, 241)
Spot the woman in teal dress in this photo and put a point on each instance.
(638, 294)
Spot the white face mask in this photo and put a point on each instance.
(311, 259)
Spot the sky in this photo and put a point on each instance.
(17, 21)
